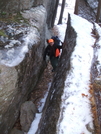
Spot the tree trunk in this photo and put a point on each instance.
(76, 7)
(55, 12)
(98, 12)
(62, 10)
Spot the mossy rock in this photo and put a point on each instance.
(15, 17)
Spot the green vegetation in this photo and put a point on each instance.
(15, 17)
(2, 33)
(3, 13)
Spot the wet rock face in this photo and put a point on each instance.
(21, 56)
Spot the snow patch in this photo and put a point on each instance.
(14, 54)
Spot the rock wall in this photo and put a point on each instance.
(21, 63)
(15, 5)
(88, 9)
(85, 11)
(18, 5)
(96, 79)
(21, 54)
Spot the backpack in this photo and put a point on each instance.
(57, 52)
(56, 42)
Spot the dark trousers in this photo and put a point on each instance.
(54, 62)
